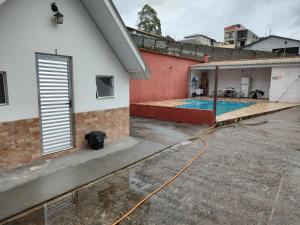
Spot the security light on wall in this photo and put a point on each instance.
(59, 18)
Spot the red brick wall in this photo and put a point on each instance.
(193, 116)
(169, 78)
(20, 140)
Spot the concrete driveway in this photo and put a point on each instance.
(163, 132)
(250, 174)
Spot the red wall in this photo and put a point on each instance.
(194, 116)
(169, 78)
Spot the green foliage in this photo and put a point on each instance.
(148, 20)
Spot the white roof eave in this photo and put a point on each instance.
(249, 64)
(111, 26)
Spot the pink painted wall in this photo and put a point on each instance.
(169, 78)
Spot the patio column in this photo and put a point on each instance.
(216, 91)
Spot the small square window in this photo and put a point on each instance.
(3, 89)
(105, 86)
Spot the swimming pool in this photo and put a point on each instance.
(222, 106)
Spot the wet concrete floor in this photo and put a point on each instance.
(250, 174)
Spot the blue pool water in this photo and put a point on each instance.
(222, 106)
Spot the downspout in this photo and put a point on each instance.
(190, 83)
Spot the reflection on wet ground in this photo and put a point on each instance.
(106, 200)
(235, 182)
(98, 204)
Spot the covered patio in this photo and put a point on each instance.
(276, 79)
(230, 83)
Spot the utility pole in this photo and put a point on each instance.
(285, 43)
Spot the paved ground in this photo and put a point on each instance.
(29, 186)
(163, 132)
(42, 186)
(250, 174)
(12, 178)
(159, 132)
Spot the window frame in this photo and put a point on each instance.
(113, 86)
(3, 73)
(230, 34)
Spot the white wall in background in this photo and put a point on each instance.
(273, 43)
(260, 79)
(285, 84)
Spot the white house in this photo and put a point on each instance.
(275, 43)
(62, 79)
(199, 39)
(278, 78)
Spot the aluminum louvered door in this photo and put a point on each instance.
(54, 102)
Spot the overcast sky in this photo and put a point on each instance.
(209, 17)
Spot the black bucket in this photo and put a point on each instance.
(95, 139)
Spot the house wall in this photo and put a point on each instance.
(27, 27)
(260, 79)
(230, 36)
(285, 84)
(20, 139)
(250, 38)
(169, 78)
(273, 43)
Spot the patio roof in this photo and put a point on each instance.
(247, 63)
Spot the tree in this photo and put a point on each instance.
(148, 20)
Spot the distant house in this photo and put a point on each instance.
(62, 76)
(134, 31)
(224, 45)
(277, 44)
(239, 36)
(199, 39)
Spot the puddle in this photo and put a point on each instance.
(100, 203)
(33, 168)
(106, 200)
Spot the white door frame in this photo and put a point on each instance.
(71, 102)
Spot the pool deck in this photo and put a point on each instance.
(261, 107)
